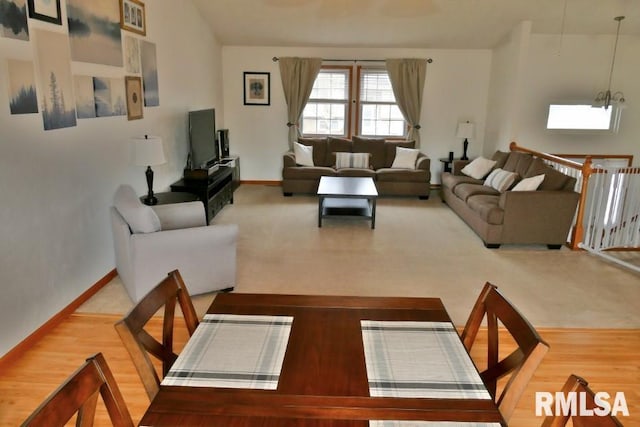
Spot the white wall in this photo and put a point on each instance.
(575, 71)
(56, 186)
(456, 89)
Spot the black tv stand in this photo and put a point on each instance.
(215, 191)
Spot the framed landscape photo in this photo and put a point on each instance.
(45, 10)
(132, 16)
(133, 89)
(257, 88)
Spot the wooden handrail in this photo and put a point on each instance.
(554, 158)
(627, 157)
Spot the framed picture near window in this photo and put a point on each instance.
(257, 88)
(133, 88)
(45, 10)
(132, 16)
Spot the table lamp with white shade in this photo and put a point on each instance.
(465, 130)
(148, 151)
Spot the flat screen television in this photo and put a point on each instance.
(204, 150)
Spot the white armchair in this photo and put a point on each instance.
(150, 242)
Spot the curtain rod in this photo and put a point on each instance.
(276, 59)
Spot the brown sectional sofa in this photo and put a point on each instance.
(389, 181)
(543, 216)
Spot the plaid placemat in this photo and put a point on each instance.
(429, 424)
(419, 359)
(236, 351)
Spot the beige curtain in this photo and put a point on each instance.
(407, 80)
(298, 76)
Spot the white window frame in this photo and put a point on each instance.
(347, 72)
(361, 103)
(614, 118)
(353, 105)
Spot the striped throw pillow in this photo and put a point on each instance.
(352, 160)
(500, 179)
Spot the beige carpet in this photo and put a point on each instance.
(419, 248)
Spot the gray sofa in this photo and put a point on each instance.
(389, 181)
(543, 216)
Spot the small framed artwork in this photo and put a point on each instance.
(45, 10)
(257, 88)
(132, 16)
(133, 88)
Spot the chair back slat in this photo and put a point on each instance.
(579, 385)
(521, 364)
(140, 344)
(79, 395)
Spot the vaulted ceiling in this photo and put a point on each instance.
(454, 24)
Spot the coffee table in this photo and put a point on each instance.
(347, 196)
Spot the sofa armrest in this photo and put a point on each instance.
(181, 215)
(545, 215)
(423, 162)
(457, 165)
(288, 159)
(205, 256)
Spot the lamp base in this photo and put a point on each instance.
(150, 201)
(465, 145)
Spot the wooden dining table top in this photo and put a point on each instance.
(323, 380)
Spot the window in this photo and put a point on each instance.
(328, 110)
(579, 117)
(379, 113)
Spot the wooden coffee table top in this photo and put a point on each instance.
(342, 186)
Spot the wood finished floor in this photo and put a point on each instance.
(608, 359)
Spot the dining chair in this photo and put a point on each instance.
(520, 364)
(576, 384)
(79, 394)
(140, 344)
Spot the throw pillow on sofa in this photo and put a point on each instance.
(529, 184)
(352, 160)
(478, 168)
(500, 179)
(405, 158)
(303, 153)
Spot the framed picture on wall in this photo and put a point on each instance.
(257, 88)
(132, 16)
(45, 10)
(133, 89)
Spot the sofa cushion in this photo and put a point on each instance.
(319, 150)
(529, 184)
(478, 168)
(553, 179)
(518, 163)
(352, 160)
(466, 190)
(450, 180)
(304, 154)
(501, 158)
(357, 172)
(373, 146)
(487, 207)
(402, 175)
(405, 158)
(500, 179)
(390, 150)
(337, 145)
(141, 218)
(307, 172)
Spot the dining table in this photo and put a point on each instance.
(323, 361)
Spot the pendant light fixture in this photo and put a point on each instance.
(605, 99)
